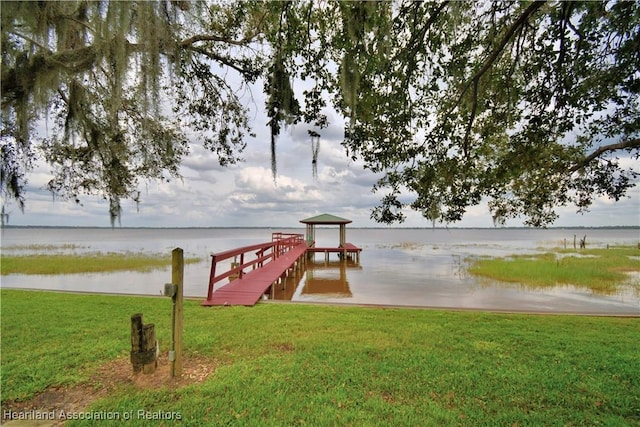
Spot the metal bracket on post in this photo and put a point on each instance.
(170, 290)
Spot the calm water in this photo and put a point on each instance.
(416, 267)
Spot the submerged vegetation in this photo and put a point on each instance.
(601, 270)
(283, 364)
(84, 263)
(42, 247)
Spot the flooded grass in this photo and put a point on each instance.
(601, 270)
(34, 247)
(84, 263)
(283, 364)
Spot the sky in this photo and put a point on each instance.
(246, 195)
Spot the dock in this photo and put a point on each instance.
(349, 250)
(260, 267)
(255, 269)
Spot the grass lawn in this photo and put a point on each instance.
(84, 263)
(294, 364)
(601, 270)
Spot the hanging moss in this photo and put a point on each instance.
(282, 105)
(315, 149)
(75, 58)
(357, 19)
(350, 81)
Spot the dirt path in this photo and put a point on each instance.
(45, 408)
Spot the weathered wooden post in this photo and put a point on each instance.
(144, 346)
(136, 340)
(177, 278)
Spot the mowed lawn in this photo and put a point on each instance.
(296, 364)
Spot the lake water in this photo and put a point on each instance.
(407, 267)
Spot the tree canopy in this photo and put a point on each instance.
(526, 105)
(121, 84)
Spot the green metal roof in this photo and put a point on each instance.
(325, 219)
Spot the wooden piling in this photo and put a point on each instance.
(136, 339)
(144, 346)
(150, 348)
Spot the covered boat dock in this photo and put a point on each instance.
(344, 248)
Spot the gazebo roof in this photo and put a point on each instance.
(325, 219)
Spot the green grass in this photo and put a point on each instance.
(84, 263)
(601, 270)
(289, 364)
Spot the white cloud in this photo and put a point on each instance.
(256, 188)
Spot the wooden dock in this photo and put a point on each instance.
(267, 264)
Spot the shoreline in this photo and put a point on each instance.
(398, 268)
(356, 305)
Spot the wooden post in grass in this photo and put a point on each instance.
(136, 339)
(144, 346)
(177, 278)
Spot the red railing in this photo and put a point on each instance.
(253, 256)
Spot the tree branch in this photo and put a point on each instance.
(533, 7)
(212, 38)
(472, 118)
(417, 39)
(29, 39)
(630, 143)
(18, 80)
(495, 54)
(221, 59)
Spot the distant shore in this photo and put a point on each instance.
(611, 227)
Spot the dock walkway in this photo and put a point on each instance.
(270, 263)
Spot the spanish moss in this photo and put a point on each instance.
(315, 148)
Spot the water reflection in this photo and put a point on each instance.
(328, 279)
(285, 290)
(317, 280)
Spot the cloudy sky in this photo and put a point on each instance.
(245, 195)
